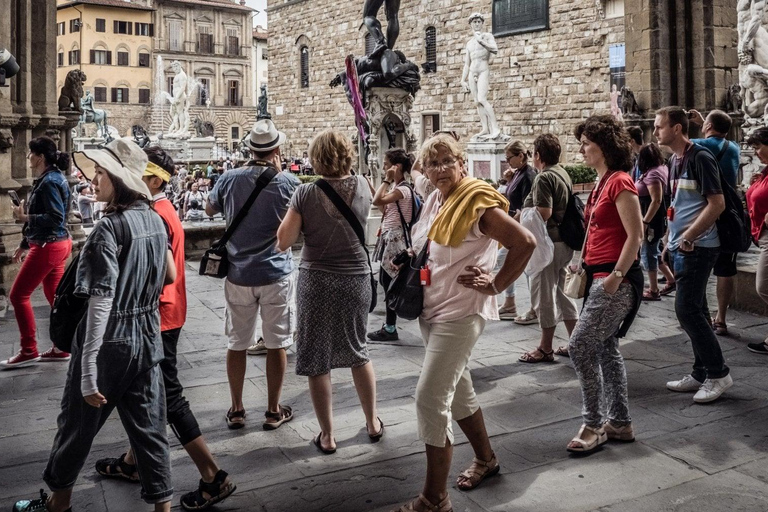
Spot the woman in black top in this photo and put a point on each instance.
(519, 178)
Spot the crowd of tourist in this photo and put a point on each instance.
(645, 214)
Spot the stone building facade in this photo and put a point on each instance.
(260, 60)
(212, 39)
(111, 42)
(542, 81)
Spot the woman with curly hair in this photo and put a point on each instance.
(614, 284)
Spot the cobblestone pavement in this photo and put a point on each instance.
(687, 457)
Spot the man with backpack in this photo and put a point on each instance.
(550, 194)
(715, 128)
(693, 242)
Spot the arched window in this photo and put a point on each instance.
(370, 43)
(304, 52)
(430, 47)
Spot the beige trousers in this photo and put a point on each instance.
(444, 391)
(547, 290)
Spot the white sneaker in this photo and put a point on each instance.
(684, 385)
(712, 389)
(257, 348)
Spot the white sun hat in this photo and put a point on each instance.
(122, 158)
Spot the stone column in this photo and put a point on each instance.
(680, 52)
(28, 109)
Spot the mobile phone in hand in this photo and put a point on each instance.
(14, 197)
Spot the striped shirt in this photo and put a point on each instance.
(391, 219)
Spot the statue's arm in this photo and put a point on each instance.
(467, 63)
(755, 22)
(489, 43)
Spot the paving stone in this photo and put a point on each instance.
(531, 412)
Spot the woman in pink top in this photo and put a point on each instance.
(463, 222)
(757, 204)
(395, 199)
(651, 184)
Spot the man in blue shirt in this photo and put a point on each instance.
(259, 277)
(727, 153)
(694, 245)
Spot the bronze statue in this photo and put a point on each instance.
(140, 136)
(263, 102)
(628, 102)
(733, 99)
(371, 9)
(203, 128)
(404, 75)
(72, 92)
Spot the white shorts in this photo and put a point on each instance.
(277, 314)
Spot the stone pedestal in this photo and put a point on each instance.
(200, 148)
(386, 107)
(486, 159)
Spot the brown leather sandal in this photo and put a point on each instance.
(426, 506)
(474, 475)
(275, 419)
(537, 356)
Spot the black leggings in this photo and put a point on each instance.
(385, 281)
(180, 416)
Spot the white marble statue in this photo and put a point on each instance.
(179, 103)
(476, 77)
(753, 59)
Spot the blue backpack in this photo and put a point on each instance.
(417, 204)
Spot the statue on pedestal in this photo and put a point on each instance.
(263, 104)
(179, 103)
(72, 92)
(91, 115)
(615, 108)
(475, 78)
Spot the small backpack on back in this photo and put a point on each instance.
(572, 228)
(69, 309)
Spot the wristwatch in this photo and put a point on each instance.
(618, 273)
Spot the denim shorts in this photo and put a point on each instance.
(650, 253)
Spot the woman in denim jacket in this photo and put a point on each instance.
(123, 266)
(44, 247)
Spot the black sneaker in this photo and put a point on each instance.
(32, 505)
(758, 348)
(383, 335)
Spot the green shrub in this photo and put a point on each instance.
(308, 179)
(581, 173)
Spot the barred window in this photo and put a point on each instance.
(430, 45)
(304, 67)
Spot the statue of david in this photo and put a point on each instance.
(476, 77)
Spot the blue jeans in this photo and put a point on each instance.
(692, 272)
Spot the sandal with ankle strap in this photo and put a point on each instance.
(477, 472)
(586, 447)
(283, 415)
(543, 357)
(117, 468)
(443, 506)
(217, 491)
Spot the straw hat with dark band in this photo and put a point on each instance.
(122, 158)
(264, 137)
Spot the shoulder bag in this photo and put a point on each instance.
(576, 282)
(357, 227)
(215, 262)
(69, 309)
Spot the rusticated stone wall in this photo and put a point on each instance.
(541, 82)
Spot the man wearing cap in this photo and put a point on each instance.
(259, 278)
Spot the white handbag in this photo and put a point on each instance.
(576, 281)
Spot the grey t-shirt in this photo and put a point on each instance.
(330, 244)
(253, 256)
(85, 205)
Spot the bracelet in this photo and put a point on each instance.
(493, 285)
(385, 181)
